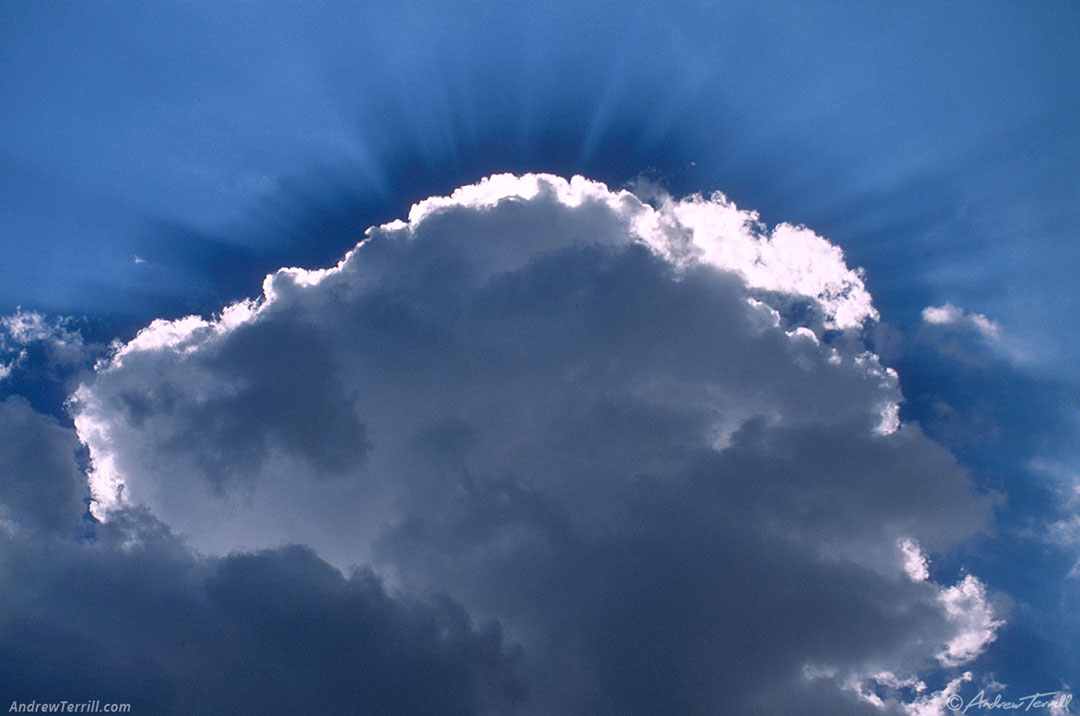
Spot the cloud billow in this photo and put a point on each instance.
(132, 616)
(643, 436)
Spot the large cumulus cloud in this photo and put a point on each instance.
(643, 435)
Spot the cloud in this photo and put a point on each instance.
(914, 561)
(969, 339)
(24, 333)
(974, 628)
(42, 358)
(941, 702)
(41, 486)
(472, 246)
(950, 315)
(966, 605)
(125, 612)
(1063, 529)
(644, 436)
(131, 616)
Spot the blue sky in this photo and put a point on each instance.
(160, 160)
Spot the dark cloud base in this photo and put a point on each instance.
(275, 632)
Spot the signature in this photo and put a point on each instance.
(1044, 700)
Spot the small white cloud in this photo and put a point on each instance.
(973, 616)
(866, 687)
(6, 368)
(26, 327)
(19, 331)
(914, 560)
(940, 703)
(950, 315)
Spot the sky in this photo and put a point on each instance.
(476, 357)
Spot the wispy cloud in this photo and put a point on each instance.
(950, 315)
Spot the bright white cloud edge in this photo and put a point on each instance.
(790, 260)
